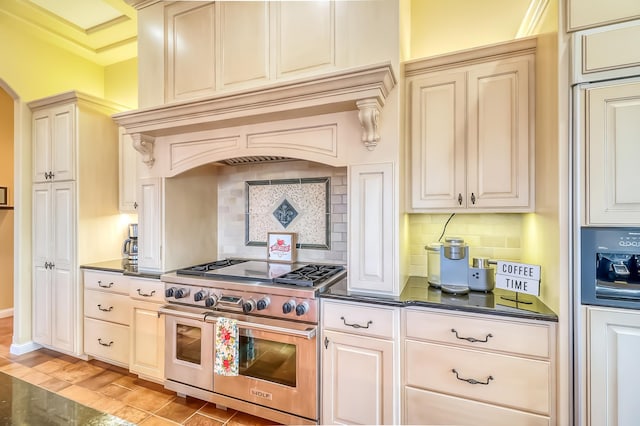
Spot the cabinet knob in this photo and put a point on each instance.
(459, 199)
(135, 205)
(473, 198)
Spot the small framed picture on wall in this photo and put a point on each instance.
(3, 195)
(281, 247)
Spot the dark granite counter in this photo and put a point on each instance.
(123, 266)
(418, 293)
(22, 403)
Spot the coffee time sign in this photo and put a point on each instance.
(518, 277)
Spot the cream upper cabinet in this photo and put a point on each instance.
(611, 116)
(194, 49)
(592, 13)
(54, 144)
(613, 371)
(359, 364)
(471, 130)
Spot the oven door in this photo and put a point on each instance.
(188, 354)
(278, 366)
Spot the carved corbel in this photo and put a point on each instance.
(144, 145)
(368, 116)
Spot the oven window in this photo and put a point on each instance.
(188, 343)
(268, 360)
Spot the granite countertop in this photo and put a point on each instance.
(123, 266)
(418, 293)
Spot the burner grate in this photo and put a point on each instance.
(309, 275)
(200, 270)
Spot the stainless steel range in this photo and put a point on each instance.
(275, 307)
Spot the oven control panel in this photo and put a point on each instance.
(248, 303)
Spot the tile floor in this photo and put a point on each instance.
(112, 389)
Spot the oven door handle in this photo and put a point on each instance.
(182, 313)
(308, 333)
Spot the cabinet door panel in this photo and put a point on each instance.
(371, 213)
(304, 44)
(357, 380)
(63, 143)
(64, 221)
(149, 220)
(190, 49)
(41, 146)
(438, 140)
(613, 367)
(613, 117)
(147, 341)
(244, 27)
(41, 305)
(498, 135)
(63, 317)
(41, 275)
(591, 13)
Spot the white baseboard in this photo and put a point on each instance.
(5, 313)
(23, 348)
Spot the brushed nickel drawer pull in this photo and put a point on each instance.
(146, 294)
(356, 325)
(105, 344)
(472, 339)
(472, 381)
(104, 286)
(109, 309)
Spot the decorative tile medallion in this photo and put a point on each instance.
(285, 213)
(295, 205)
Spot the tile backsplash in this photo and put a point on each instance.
(495, 235)
(324, 227)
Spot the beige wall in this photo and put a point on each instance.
(121, 83)
(6, 216)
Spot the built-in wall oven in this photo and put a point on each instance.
(610, 259)
(276, 314)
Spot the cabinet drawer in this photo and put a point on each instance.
(148, 290)
(106, 281)
(366, 320)
(480, 333)
(107, 306)
(429, 408)
(106, 340)
(506, 380)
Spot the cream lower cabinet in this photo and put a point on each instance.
(471, 128)
(54, 289)
(106, 317)
(613, 370)
(466, 369)
(359, 356)
(147, 328)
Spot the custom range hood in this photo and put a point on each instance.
(311, 115)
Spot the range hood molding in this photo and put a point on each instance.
(364, 89)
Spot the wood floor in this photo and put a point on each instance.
(112, 389)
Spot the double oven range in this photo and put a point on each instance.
(276, 309)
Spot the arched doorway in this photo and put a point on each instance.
(18, 115)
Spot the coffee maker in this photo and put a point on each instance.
(454, 266)
(130, 246)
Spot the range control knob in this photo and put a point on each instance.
(289, 306)
(180, 293)
(199, 295)
(248, 306)
(210, 301)
(302, 308)
(170, 292)
(263, 303)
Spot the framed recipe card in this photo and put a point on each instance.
(3, 195)
(281, 247)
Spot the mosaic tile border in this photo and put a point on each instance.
(326, 245)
